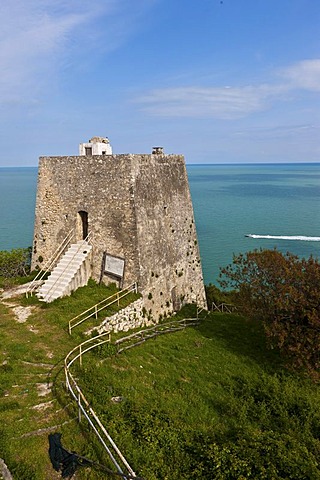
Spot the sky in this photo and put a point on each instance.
(220, 81)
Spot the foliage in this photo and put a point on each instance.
(283, 292)
(216, 296)
(15, 263)
(105, 350)
(208, 402)
(260, 455)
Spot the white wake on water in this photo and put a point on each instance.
(286, 237)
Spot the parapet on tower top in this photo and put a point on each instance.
(157, 151)
(96, 146)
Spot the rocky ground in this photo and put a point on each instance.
(29, 386)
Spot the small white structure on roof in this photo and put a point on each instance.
(96, 146)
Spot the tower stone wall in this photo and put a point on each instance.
(138, 208)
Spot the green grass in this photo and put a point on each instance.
(208, 402)
(31, 357)
(15, 281)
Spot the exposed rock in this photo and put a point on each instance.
(4, 471)
(116, 399)
(22, 313)
(16, 291)
(44, 389)
(133, 316)
(42, 406)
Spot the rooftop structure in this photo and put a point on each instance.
(96, 146)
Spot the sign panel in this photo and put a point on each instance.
(113, 266)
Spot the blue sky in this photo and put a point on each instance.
(232, 81)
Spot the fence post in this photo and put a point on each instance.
(118, 299)
(66, 375)
(96, 311)
(79, 411)
(80, 358)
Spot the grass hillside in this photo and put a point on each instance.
(208, 402)
(33, 401)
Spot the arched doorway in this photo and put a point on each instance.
(82, 225)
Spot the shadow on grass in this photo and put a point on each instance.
(243, 338)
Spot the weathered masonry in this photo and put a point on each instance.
(138, 213)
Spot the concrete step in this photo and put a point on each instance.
(64, 271)
(52, 287)
(56, 280)
(63, 277)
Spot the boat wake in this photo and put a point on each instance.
(286, 237)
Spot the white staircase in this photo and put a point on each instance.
(72, 271)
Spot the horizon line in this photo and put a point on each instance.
(200, 164)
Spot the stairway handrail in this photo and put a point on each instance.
(95, 309)
(80, 246)
(51, 262)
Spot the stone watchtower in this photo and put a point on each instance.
(137, 211)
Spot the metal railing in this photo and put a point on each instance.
(122, 344)
(101, 432)
(51, 263)
(81, 245)
(140, 337)
(95, 309)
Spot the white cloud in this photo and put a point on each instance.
(231, 102)
(27, 52)
(218, 102)
(37, 37)
(287, 132)
(32, 35)
(303, 75)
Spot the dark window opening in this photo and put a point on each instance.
(88, 151)
(84, 229)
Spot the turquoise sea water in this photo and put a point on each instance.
(230, 201)
(17, 203)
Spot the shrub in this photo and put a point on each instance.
(283, 292)
(215, 295)
(15, 263)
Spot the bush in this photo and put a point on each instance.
(262, 455)
(283, 292)
(216, 296)
(15, 263)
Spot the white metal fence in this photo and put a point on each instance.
(84, 408)
(95, 309)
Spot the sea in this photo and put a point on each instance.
(237, 208)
